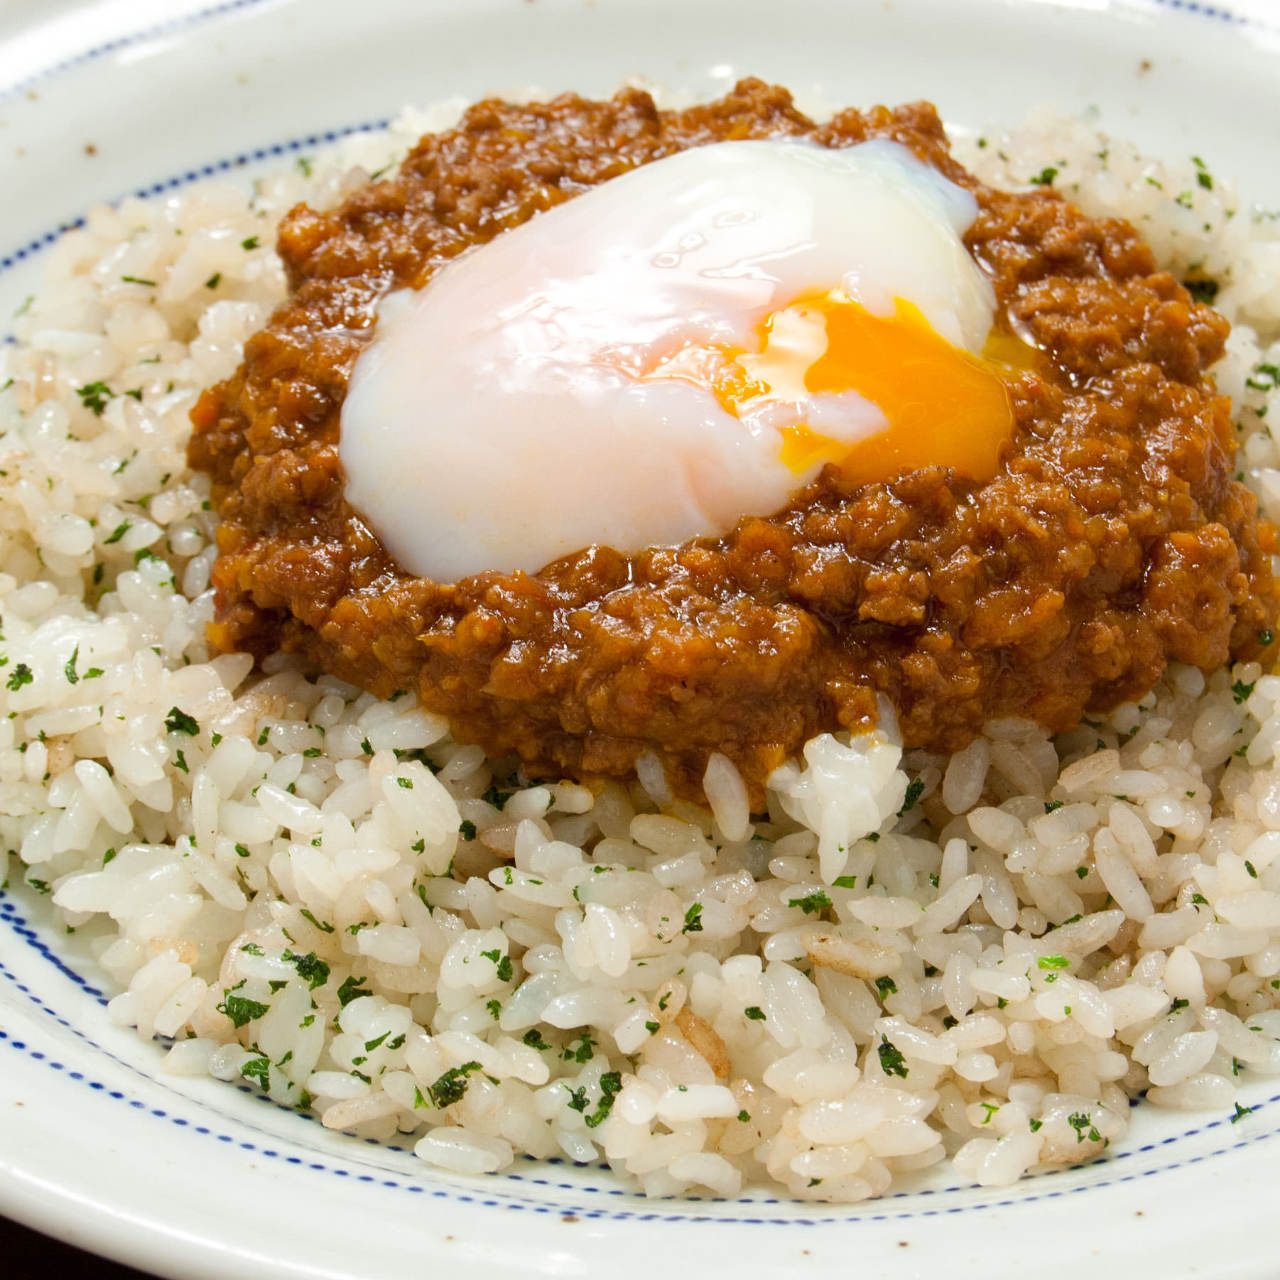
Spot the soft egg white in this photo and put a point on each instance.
(555, 388)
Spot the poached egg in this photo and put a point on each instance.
(682, 346)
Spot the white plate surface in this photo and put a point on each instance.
(199, 1179)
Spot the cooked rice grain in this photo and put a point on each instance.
(980, 958)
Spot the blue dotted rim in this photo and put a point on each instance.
(1215, 12)
(267, 1145)
(10, 916)
(227, 164)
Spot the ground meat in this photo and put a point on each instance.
(1112, 540)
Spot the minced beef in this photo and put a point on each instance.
(1111, 541)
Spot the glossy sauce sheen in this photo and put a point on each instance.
(1110, 540)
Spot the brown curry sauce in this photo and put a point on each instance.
(1112, 540)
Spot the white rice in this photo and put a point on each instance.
(911, 960)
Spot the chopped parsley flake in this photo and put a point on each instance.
(311, 969)
(257, 1068)
(533, 1038)
(610, 1087)
(496, 797)
(886, 987)
(494, 1007)
(1240, 691)
(467, 829)
(811, 903)
(1083, 1124)
(1202, 290)
(1051, 805)
(503, 963)
(693, 919)
(180, 762)
(1053, 962)
(406, 783)
(754, 1012)
(1240, 1114)
(450, 1087)
(177, 721)
(20, 675)
(1045, 177)
(250, 243)
(240, 1009)
(94, 395)
(350, 988)
(845, 882)
(915, 789)
(583, 1053)
(892, 1062)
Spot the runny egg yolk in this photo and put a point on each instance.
(943, 406)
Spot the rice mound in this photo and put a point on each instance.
(910, 959)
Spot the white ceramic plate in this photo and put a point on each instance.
(197, 1179)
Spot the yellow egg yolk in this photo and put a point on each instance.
(943, 405)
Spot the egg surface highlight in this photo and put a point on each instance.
(682, 346)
